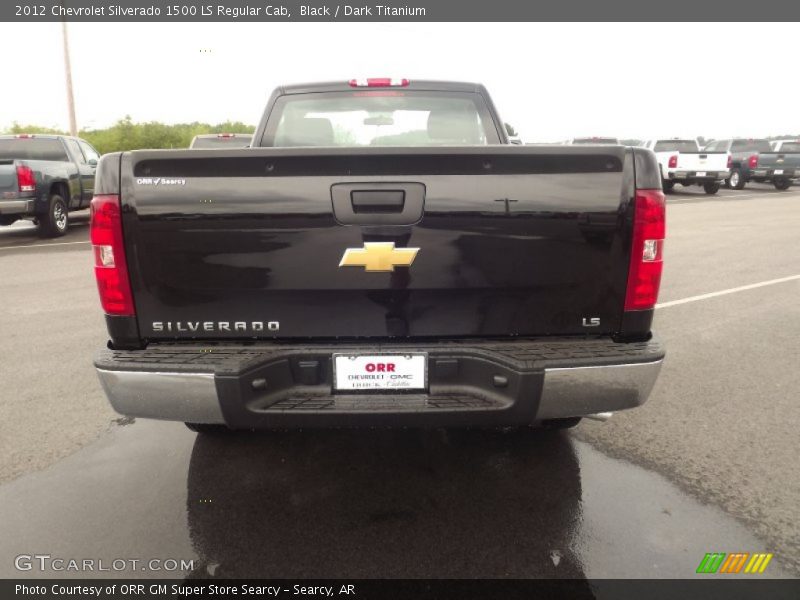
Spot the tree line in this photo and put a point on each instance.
(127, 135)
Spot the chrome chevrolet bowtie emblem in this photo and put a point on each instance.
(378, 257)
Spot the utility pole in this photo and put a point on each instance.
(73, 127)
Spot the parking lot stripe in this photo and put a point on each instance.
(44, 245)
(762, 195)
(742, 288)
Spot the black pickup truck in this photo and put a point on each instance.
(44, 178)
(381, 256)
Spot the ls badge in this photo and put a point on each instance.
(378, 257)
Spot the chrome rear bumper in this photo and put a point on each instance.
(489, 383)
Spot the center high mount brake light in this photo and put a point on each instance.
(379, 82)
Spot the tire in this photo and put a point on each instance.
(736, 180)
(667, 186)
(208, 428)
(782, 183)
(55, 222)
(558, 424)
(712, 187)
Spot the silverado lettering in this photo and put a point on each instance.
(365, 217)
(178, 326)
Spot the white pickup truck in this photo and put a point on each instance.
(682, 161)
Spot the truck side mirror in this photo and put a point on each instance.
(92, 162)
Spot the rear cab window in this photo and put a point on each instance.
(380, 118)
(596, 141)
(676, 146)
(751, 146)
(32, 149)
(790, 147)
(232, 140)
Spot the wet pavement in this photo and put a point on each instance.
(378, 503)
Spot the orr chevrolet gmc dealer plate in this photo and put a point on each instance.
(380, 372)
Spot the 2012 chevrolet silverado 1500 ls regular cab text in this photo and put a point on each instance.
(380, 256)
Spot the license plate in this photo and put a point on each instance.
(778, 172)
(355, 372)
(701, 173)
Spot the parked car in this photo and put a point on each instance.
(44, 178)
(755, 160)
(221, 140)
(383, 257)
(682, 161)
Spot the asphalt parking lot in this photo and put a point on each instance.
(708, 464)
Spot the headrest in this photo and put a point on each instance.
(308, 132)
(449, 127)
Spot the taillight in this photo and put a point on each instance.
(753, 161)
(673, 161)
(26, 180)
(730, 161)
(649, 229)
(110, 267)
(226, 135)
(379, 82)
(24, 136)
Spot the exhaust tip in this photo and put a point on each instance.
(602, 417)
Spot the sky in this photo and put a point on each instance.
(552, 81)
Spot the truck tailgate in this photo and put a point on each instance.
(702, 161)
(247, 244)
(8, 179)
(779, 160)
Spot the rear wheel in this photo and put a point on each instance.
(667, 185)
(212, 428)
(557, 424)
(736, 180)
(781, 183)
(55, 221)
(712, 187)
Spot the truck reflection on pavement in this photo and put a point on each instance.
(399, 503)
